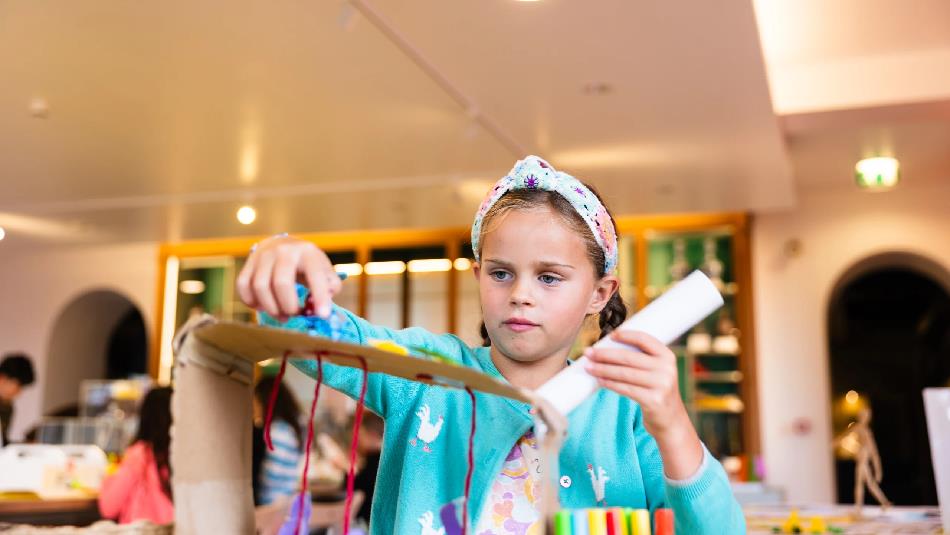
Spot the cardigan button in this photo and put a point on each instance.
(565, 481)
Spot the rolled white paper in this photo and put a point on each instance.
(666, 318)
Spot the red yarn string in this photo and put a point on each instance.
(471, 463)
(357, 420)
(306, 455)
(273, 400)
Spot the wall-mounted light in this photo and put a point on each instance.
(430, 265)
(351, 270)
(852, 397)
(385, 268)
(878, 173)
(246, 215)
(3, 233)
(191, 287)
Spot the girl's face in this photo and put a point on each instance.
(536, 285)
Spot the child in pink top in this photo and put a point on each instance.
(141, 488)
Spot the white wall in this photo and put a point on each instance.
(38, 283)
(77, 345)
(791, 297)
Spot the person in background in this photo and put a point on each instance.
(141, 487)
(16, 371)
(369, 445)
(278, 471)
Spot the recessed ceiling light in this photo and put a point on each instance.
(39, 107)
(597, 89)
(880, 173)
(246, 215)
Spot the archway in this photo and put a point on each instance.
(889, 337)
(98, 335)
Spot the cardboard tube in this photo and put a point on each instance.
(669, 316)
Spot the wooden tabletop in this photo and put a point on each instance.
(38, 505)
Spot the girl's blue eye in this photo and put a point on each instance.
(498, 275)
(549, 279)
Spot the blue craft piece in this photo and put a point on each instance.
(336, 327)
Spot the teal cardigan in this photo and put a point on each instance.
(422, 470)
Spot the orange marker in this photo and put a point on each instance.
(663, 519)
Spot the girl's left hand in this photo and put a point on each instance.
(648, 377)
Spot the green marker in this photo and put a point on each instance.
(562, 523)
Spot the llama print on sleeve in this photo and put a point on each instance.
(599, 482)
(428, 431)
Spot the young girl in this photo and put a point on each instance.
(279, 471)
(141, 488)
(545, 250)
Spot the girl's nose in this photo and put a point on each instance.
(521, 295)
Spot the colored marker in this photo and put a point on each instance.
(640, 522)
(663, 519)
(616, 522)
(562, 523)
(598, 521)
(581, 522)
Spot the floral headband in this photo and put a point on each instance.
(535, 173)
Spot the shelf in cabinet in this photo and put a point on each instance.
(728, 289)
(719, 411)
(718, 377)
(728, 404)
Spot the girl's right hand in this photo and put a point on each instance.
(269, 278)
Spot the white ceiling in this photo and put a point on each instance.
(165, 117)
(858, 78)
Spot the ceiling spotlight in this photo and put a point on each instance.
(879, 173)
(597, 89)
(246, 215)
(39, 107)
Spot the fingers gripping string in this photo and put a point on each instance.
(357, 420)
(273, 400)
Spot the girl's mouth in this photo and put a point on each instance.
(520, 325)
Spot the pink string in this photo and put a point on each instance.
(306, 462)
(471, 463)
(273, 400)
(357, 420)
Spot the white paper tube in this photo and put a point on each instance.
(666, 318)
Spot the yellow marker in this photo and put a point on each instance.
(817, 525)
(598, 521)
(640, 522)
(389, 345)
